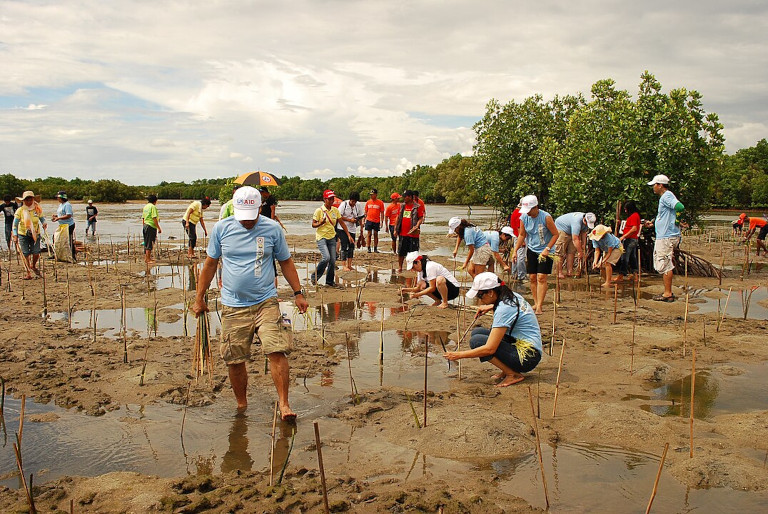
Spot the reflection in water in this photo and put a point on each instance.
(237, 456)
(679, 394)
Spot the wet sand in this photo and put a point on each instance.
(622, 390)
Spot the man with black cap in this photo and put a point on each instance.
(374, 212)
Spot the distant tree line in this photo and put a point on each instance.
(573, 153)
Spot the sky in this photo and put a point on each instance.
(146, 91)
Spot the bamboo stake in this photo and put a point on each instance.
(615, 301)
(685, 323)
(693, 388)
(557, 382)
(272, 446)
(722, 317)
(426, 362)
(381, 338)
(27, 488)
(69, 300)
(538, 449)
(45, 297)
(21, 420)
(658, 475)
(184, 416)
(322, 470)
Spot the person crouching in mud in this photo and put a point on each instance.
(513, 343)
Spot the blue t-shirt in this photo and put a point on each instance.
(248, 275)
(666, 217)
(492, 236)
(537, 235)
(571, 223)
(526, 328)
(607, 241)
(64, 209)
(474, 236)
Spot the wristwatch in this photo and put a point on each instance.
(297, 293)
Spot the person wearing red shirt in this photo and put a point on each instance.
(514, 222)
(374, 210)
(629, 238)
(754, 223)
(409, 220)
(391, 214)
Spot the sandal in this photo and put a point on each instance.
(662, 298)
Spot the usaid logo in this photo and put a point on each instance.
(246, 202)
(266, 179)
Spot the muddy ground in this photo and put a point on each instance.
(604, 363)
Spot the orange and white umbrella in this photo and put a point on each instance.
(257, 178)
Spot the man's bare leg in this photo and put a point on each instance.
(541, 290)
(238, 377)
(534, 289)
(278, 366)
(668, 283)
(509, 375)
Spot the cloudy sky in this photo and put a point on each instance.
(144, 91)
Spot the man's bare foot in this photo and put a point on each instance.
(242, 407)
(498, 376)
(286, 414)
(620, 278)
(346, 269)
(511, 380)
(443, 306)
(560, 275)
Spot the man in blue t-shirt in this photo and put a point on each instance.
(65, 215)
(667, 234)
(248, 244)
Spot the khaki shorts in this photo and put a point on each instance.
(238, 324)
(615, 256)
(482, 255)
(663, 251)
(564, 244)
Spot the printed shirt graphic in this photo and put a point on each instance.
(527, 326)
(248, 276)
(405, 226)
(9, 210)
(150, 212)
(666, 217)
(91, 211)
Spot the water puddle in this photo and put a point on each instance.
(594, 478)
(749, 303)
(724, 389)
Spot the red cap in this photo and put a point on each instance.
(742, 215)
(328, 193)
(394, 196)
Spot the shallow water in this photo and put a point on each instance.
(723, 389)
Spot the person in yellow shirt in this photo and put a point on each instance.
(192, 215)
(150, 227)
(324, 221)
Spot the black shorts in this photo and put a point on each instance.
(534, 267)
(763, 233)
(453, 291)
(392, 232)
(150, 234)
(191, 230)
(372, 225)
(406, 244)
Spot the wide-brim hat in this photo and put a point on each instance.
(27, 194)
(598, 232)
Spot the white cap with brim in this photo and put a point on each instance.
(453, 223)
(246, 202)
(659, 179)
(410, 258)
(591, 219)
(527, 203)
(508, 231)
(483, 282)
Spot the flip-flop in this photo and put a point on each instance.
(662, 298)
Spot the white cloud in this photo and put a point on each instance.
(136, 90)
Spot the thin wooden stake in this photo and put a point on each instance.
(722, 317)
(318, 445)
(557, 383)
(538, 449)
(685, 323)
(693, 388)
(615, 301)
(272, 446)
(658, 476)
(426, 362)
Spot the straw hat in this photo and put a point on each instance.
(598, 232)
(27, 194)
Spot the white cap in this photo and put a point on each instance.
(659, 179)
(246, 202)
(90, 201)
(527, 203)
(410, 258)
(508, 231)
(453, 223)
(591, 219)
(483, 282)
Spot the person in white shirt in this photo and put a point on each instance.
(433, 280)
